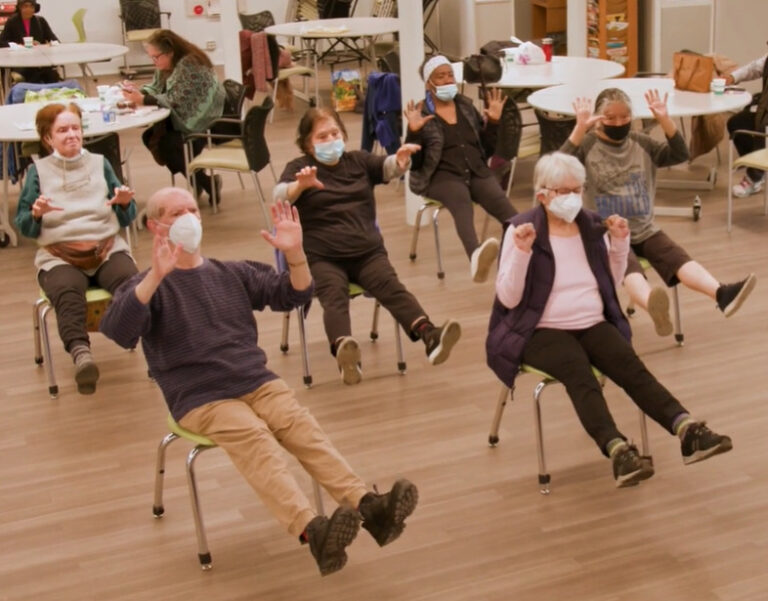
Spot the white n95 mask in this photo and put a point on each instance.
(187, 232)
(566, 206)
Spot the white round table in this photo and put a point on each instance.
(17, 124)
(338, 29)
(47, 55)
(562, 70)
(559, 99)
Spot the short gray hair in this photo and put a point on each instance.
(553, 169)
(156, 203)
(609, 95)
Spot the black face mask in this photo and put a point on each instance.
(617, 132)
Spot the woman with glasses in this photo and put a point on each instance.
(556, 310)
(184, 82)
(74, 206)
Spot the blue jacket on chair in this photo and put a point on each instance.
(382, 113)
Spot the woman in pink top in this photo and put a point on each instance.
(556, 310)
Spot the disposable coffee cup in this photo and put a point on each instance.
(29, 41)
(718, 85)
(102, 90)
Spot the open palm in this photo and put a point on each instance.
(287, 236)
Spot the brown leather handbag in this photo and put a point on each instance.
(693, 72)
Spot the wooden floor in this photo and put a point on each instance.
(76, 473)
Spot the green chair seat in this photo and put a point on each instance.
(174, 427)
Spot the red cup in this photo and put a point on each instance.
(546, 46)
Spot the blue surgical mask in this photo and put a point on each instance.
(446, 92)
(329, 153)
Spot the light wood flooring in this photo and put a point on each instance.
(76, 473)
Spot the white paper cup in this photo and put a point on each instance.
(717, 85)
(29, 41)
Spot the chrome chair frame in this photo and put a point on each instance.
(202, 443)
(508, 393)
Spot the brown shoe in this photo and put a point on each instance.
(658, 309)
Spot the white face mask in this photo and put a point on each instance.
(187, 232)
(566, 206)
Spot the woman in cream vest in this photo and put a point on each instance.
(73, 204)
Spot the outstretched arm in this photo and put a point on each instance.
(288, 239)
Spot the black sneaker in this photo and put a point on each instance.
(328, 538)
(440, 341)
(384, 515)
(629, 469)
(731, 296)
(700, 443)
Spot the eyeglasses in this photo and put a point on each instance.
(563, 191)
(154, 57)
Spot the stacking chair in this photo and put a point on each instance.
(201, 443)
(139, 20)
(251, 157)
(757, 159)
(546, 380)
(78, 21)
(97, 300)
(554, 130)
(354, 291)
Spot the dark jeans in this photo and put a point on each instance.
(746, 144)
(568, 357)
(65, 287)
(376, 275)
(457, 197)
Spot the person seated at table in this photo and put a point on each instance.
(753, 117)
(451, 167)
(74, 206)
(26, 23)
(556, 310)
(194, 316)
(333, 191)
(184, 82)
(621, 178)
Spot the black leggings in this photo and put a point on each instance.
(568, 356)
(457, 197)
(167, 148)
(65, 287)
(745, 144)
(375, 274)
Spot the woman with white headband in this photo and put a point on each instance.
(451, 168)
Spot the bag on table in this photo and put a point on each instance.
(693, 72)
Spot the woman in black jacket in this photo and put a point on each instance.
(451, 168)
(25, 23)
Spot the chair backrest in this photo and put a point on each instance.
(254, 140)
(306, 10)
(384, 8)
(334, 9)
(77, 21)
(256, 21)
(140, 14)
(554, 130)
(234, 97)
(510, 131)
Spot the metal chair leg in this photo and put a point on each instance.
(416, 228)
(544, 476)
(504, 394)
(157, 506)
(678, 319)
(730, 186)
(53, 388)
(284, 335)
(646, 450)
(436, 228)
(36, 308)
(375, 322)
(203, 553)
(318, 498)
(304, 349)
(401, 367)
(262, 201)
